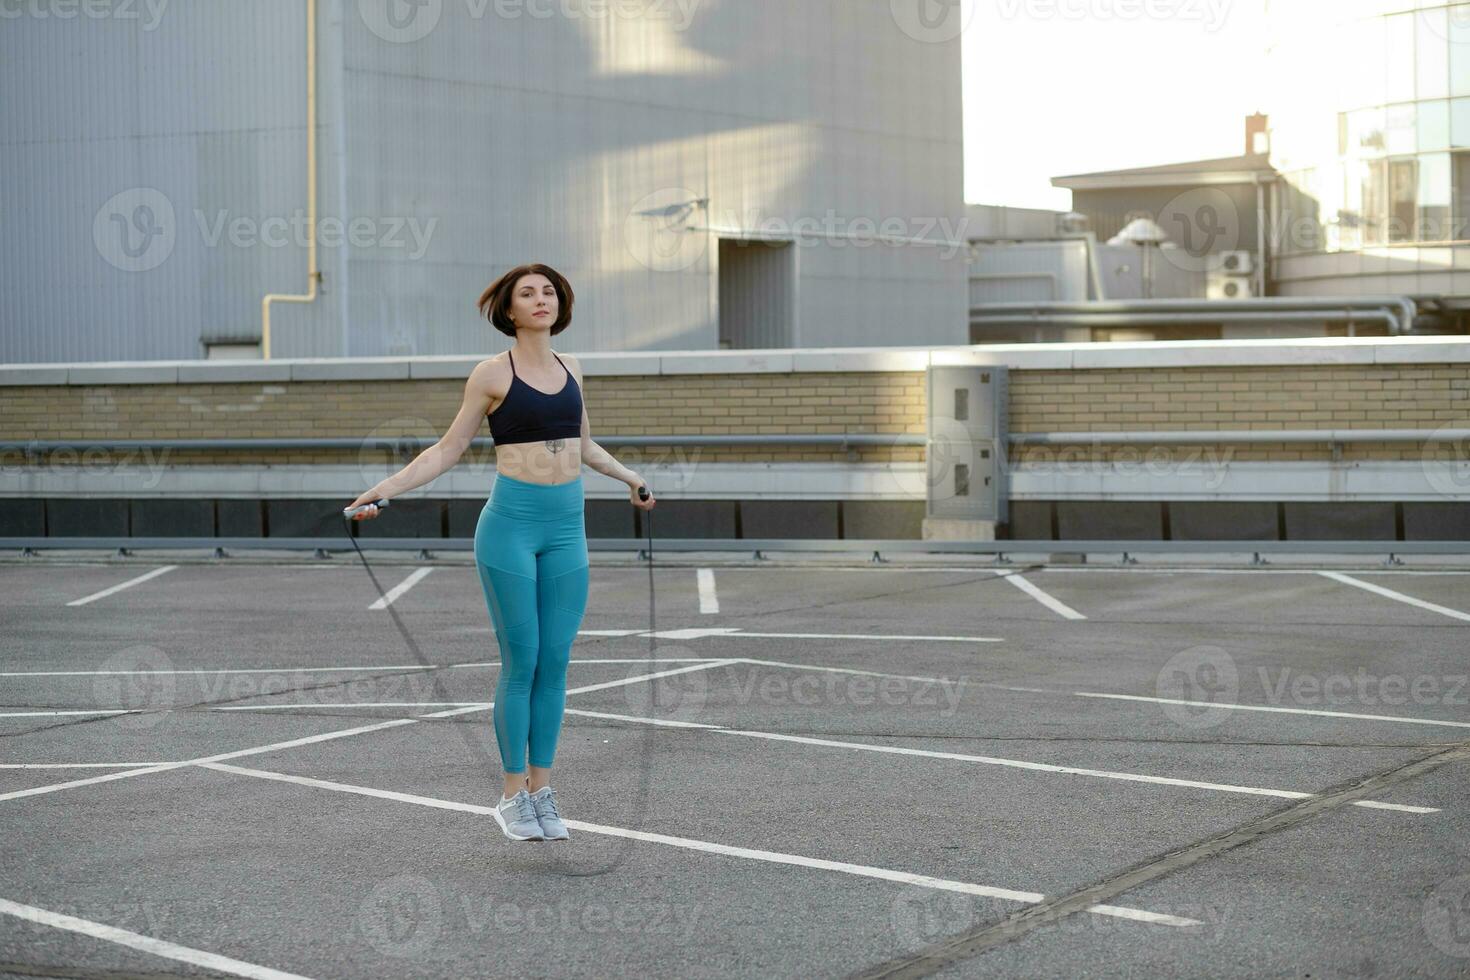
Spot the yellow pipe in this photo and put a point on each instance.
(313, 274)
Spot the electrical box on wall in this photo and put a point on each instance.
(965, 452)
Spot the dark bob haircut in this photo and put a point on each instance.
(494, 303)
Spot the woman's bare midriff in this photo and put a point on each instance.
(548, 462)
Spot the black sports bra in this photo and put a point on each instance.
(530, 415)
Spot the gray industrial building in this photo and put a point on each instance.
(704, 173)
(1352, 194)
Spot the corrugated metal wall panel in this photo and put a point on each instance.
(198, 113)
(506, 138)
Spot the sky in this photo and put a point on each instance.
(1054, 87)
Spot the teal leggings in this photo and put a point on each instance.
(531, 550)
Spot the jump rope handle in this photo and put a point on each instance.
(352, 511)
(642, 493)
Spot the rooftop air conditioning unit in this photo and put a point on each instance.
(1221, 286)
(1233, 263)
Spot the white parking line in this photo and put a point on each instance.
(1119, 697)
(313, 670)
(349, 704)
(1285, 794)
(1046, 599)
(451, 712)
(78, 765)
(122, 585)
(272, 747)
(708, 601)
(233, 670)
(43, 714)
(1274, 708)
(146, 944)
(870, 636)
(622, 681)
(708, 847)
(669, 722)
(310, 739)
(401, 588)
(1391, 594)
(697, 632)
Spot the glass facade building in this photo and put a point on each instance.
(1370, 110)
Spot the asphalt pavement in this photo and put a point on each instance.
(814, 767)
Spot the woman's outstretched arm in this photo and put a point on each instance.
(441, 457)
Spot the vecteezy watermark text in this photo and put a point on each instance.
(137, 230)
(409, 916)
(147, 12)
(1362, 688)
(1211, 13)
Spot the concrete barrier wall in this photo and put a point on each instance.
(1365, 490)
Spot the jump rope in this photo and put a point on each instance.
(645, 778)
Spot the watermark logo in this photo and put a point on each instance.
(140, 680)
(656, 230)
(1203, 222)
(402, 917)
(1206, 678)
(1446, 916)
(921, 916)
(932, 21)
(1452, 24)
(673, 697)
(400, 21)
(135, 230)
(953, 464)
(393, 444)
(1445, 460)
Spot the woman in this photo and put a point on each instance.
(531, 539)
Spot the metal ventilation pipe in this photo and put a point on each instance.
(1387, 317)
(1401, 319)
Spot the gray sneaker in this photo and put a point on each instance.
(552, 827)
(517, 817)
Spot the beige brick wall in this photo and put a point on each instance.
(1407, 396)
(707, 404)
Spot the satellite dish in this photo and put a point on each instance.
(1140, 231)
